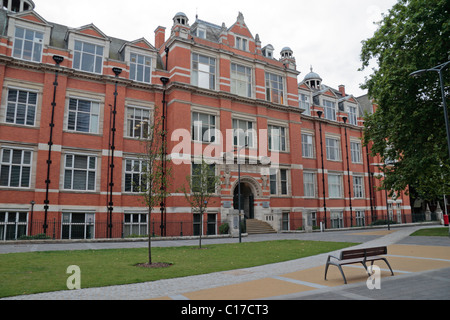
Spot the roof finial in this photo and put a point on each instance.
(311, 68)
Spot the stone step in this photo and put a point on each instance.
(258, 227)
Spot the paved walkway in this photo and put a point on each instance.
(421, 266)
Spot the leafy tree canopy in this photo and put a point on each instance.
(409, 124)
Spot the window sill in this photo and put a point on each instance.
(79, 191)
(83, 133)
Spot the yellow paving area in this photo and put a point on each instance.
(250, 290)
(402, 258)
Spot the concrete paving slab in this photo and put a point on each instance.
(372, 233)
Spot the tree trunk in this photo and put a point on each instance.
(149, 237)
(201, 229)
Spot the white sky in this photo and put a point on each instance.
(326, 34)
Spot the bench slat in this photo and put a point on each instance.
(361, 253)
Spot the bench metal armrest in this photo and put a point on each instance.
(331, 256)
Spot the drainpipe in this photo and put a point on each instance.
(117, 72)
(348, 173)
(320, 113)
(58, 60)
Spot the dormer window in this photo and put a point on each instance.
(88, 57)
(140, 68)
(28, 44)
(201, 32)
(352, 115)
(267, 51)
(330, 110)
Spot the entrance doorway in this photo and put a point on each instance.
(247, 200)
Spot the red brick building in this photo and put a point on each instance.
(225, 92)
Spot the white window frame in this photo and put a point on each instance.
(329, 109)
(94, 117)
(308, 145)
(67, 220)
(275, 88)
(310, 184)
(333, 148)
(137, 123)
(276, 182)
(195, 175)
(20, 227)
(21, 166)
(360, 218)
(30, 109)
(37, 44)
(278, 138)
(353, 115)
(88, 171)
(138, 168)
(305, 104)
(135, 221)
(337, 219)
(335, 189)
(141, 67)
(358, 187)
(241, 80)
(80, 56)
(201, 32)
(201, 70)
(241, 136)
(203, 131)
(355, 148)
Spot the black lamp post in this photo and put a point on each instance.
(348, 173)
(163, 203)
(239, 189)
(117, 72)
(58, 60)
(320, 113)
(31, 218)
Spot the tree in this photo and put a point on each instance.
(408, 125)
(154, 183)
(202, 184)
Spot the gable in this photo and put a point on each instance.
(31, 16)
(352, 99)
(142, 43)
(91, 30)
(240, 28)
(304, 86)
(329, 93)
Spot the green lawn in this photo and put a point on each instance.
(432, 232)
(27, 273)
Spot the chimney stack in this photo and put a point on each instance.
(342, 90)
(160, 37)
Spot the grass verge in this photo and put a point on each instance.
(28, 273)
(432, 232)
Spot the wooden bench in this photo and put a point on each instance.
(357, 256)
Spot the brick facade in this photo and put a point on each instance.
(219, 78)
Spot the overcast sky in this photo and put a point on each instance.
(326, 34)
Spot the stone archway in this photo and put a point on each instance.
(250, 190)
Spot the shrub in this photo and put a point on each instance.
(40, 236)
(224, 228)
